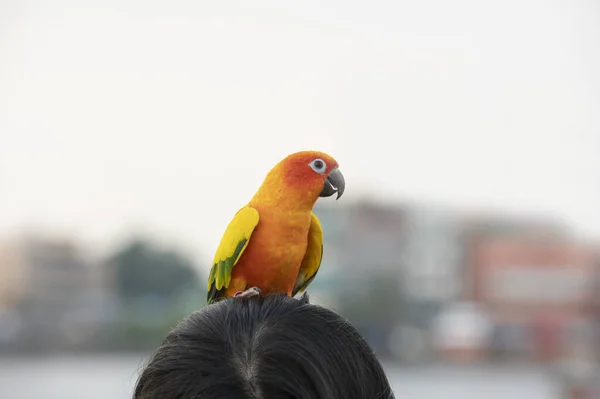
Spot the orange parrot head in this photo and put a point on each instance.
(301, 178)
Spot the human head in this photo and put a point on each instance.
(263, 348)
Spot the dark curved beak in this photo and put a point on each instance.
(335, 183)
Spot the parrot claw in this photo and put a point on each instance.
(249, 293)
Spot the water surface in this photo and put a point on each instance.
(103, 377)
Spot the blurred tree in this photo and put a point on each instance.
(142, 270)
(156, 288)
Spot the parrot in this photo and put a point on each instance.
(274, 244)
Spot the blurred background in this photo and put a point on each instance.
(465, 249)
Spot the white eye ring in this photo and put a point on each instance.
(318, 165)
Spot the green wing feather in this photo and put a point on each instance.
(312, 258)
(232, 246)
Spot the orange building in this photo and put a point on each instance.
(538, 290)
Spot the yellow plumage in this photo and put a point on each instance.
(233, 243)
(312, 258)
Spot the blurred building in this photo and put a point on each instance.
(360, 240)
(416, 249)
(55, 293)
(432, 255)
(431, 251)
(421, 246)
(362, 235)
(471, 287)
(461, 332)
(537, 284)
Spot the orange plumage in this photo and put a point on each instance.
(274, 243)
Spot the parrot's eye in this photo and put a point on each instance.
(319, 166)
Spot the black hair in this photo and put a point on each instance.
(263, 348)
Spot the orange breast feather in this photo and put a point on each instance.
(274, 254)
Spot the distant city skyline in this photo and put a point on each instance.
(127, 117)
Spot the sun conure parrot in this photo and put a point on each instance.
(274, 244)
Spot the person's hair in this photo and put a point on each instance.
(263, 348)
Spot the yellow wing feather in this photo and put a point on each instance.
(312, 258)
(232, 246)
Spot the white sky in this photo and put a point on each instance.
(125, 115)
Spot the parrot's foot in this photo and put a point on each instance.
(249, 293)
